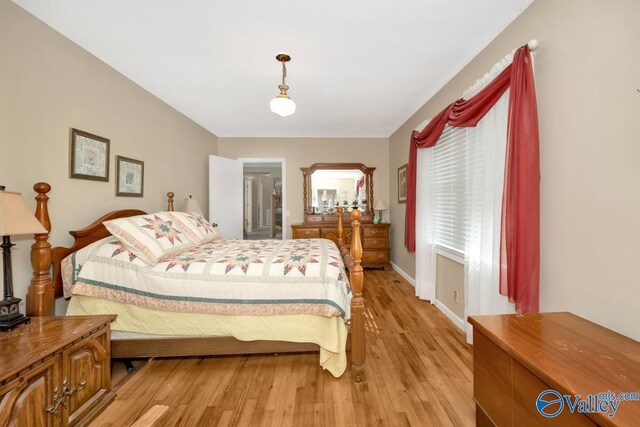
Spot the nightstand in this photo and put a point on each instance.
(56, 371)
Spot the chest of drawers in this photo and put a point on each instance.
(375, 239)
(518, 358)
(55, 371)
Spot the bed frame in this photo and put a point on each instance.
(46, 285)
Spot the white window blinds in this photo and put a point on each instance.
(448, 177)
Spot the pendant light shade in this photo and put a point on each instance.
(282, 104)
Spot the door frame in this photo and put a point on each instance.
(260, 206)
(248, 204)
(283, 164)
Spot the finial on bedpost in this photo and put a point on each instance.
(40, 293)
(358, 348)
(170, 196)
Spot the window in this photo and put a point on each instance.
(448, 177)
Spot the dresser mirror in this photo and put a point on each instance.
(331, 185)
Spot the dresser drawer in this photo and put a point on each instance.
(374, 232)
(306, 233)
(492, 380)
(375, 257)
(374, 243)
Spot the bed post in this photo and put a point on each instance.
(358, 348)
(40, 297)
(340, 230)
(170, 196)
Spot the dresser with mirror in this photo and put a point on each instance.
(327, 186)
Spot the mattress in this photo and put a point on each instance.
(229, 277)
(330, 333)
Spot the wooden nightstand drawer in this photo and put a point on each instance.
(374, 243)
(306, 233)
(373, 231)
(375, 257)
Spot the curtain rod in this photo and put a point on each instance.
(532, 44)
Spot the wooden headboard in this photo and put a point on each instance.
(46, 284)
(83, 238)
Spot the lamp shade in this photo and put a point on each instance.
(192, 205)
(380, 206)
(15, 216)
(283, 106)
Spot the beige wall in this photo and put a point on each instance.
(450, 279)
(587, 72)
(48, 85)
(302, 152)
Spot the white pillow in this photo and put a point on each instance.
(198, 228)
(152, 238)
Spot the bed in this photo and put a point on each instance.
(223, 297)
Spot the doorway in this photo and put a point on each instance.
(264, 198)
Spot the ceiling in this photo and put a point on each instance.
(359, 68)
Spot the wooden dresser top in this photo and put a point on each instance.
(29, 343)
(570, 354)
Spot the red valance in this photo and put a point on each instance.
(520, 233)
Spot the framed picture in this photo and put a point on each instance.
(129, 177)
(402, 184)
(89, 156)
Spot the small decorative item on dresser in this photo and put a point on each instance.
(15, 219)
(129, 177)
(89, 156)
(380, 206)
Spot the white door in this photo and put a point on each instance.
(225, 196)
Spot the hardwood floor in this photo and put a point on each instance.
(418, 372)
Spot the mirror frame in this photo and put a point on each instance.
(307, 172)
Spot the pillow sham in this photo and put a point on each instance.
(198, 229)
(152, 237)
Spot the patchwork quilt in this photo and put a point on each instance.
(235, 277)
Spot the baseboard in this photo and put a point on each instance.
(443, 308)
(403, 274)
(450, 314)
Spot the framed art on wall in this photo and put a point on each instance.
(402, 184)
(89, 156)
(129, 177)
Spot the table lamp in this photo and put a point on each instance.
(192, 205)
(15, 219)
(380, 206)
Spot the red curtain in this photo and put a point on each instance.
(520, 233)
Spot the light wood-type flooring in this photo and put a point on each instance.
(418, 372)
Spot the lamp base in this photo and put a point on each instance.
(10, 315)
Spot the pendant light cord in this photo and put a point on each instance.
(284, 72)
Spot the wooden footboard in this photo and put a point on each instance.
(44, 287)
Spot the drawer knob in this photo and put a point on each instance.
(380, 256)
(374, 231)
(307, 232)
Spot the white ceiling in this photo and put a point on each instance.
(359, 68)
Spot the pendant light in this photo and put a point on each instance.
(282, 104)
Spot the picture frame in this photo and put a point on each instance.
(89, 157)
(129, 177)
(402, 184)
